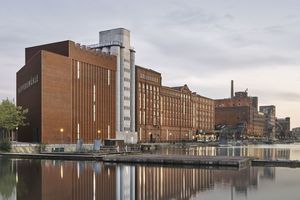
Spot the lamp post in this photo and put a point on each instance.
(62, 134)
(98, 134)
(150, 137)
(17, 133)
(170, 136)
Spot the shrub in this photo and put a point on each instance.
(5, 145)
(42, 148)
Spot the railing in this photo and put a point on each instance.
(100, 45)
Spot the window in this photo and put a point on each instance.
(126, 88)
(108, 77)
(94, 112)
(78, 131)
(108, 131)
(78, 70)
(94, 93)
(140, 117)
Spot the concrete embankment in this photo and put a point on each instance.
(161, 159)
(216, 161)
(133, 158)
(52, 156)
(62, 156)
(276, 163)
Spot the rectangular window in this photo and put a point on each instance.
(78, 131)
(108, 77)
(78, 70)
(140, 100)
(140, 117)
(94, 112)
(108, 131)
(94, 93)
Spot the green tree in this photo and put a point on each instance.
(11, 116)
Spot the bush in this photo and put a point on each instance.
(5, 145)
(42, 148)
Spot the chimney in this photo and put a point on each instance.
(232, 88)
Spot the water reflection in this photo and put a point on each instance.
(8, 180)
(285, 152)
(54, 180)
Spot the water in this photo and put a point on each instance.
(267, 152)
(55, 180)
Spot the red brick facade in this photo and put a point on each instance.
(67, 86)
(240, 109)
(167, 114)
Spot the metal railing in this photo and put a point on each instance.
(107, 44)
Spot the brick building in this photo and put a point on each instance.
(240, 110)
(70, 93)
(259, 122)
(169, 113)
(148, 87)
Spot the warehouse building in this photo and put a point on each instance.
(169, 113)
(70, 91)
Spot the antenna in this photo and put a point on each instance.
(232, 88)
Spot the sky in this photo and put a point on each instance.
(202, 43)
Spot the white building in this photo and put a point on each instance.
(117, 42)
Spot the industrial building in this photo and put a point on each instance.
(117, 42)
(270, 120)
(169, 113)
(78, 77)
(76, 92)
(296, 132)
(240, 112)
(283, 127)
(69, 91)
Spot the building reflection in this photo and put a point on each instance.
(53, 180)
(29, 185)
(261, 153)
(172, 183)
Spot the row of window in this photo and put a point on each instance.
(148, 78)
(78, 71)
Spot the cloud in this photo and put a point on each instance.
(202, 43)
(283, 96)
(289, 96)
(275, 29)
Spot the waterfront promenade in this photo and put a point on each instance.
(189, 155)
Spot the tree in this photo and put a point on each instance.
(11, 116)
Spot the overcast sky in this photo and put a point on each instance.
(201, 43)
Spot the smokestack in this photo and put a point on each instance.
(232, 89)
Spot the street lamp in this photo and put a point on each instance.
(17, 133)
(170, 136)
(150, 136)
(98, 133)
(62, 134)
